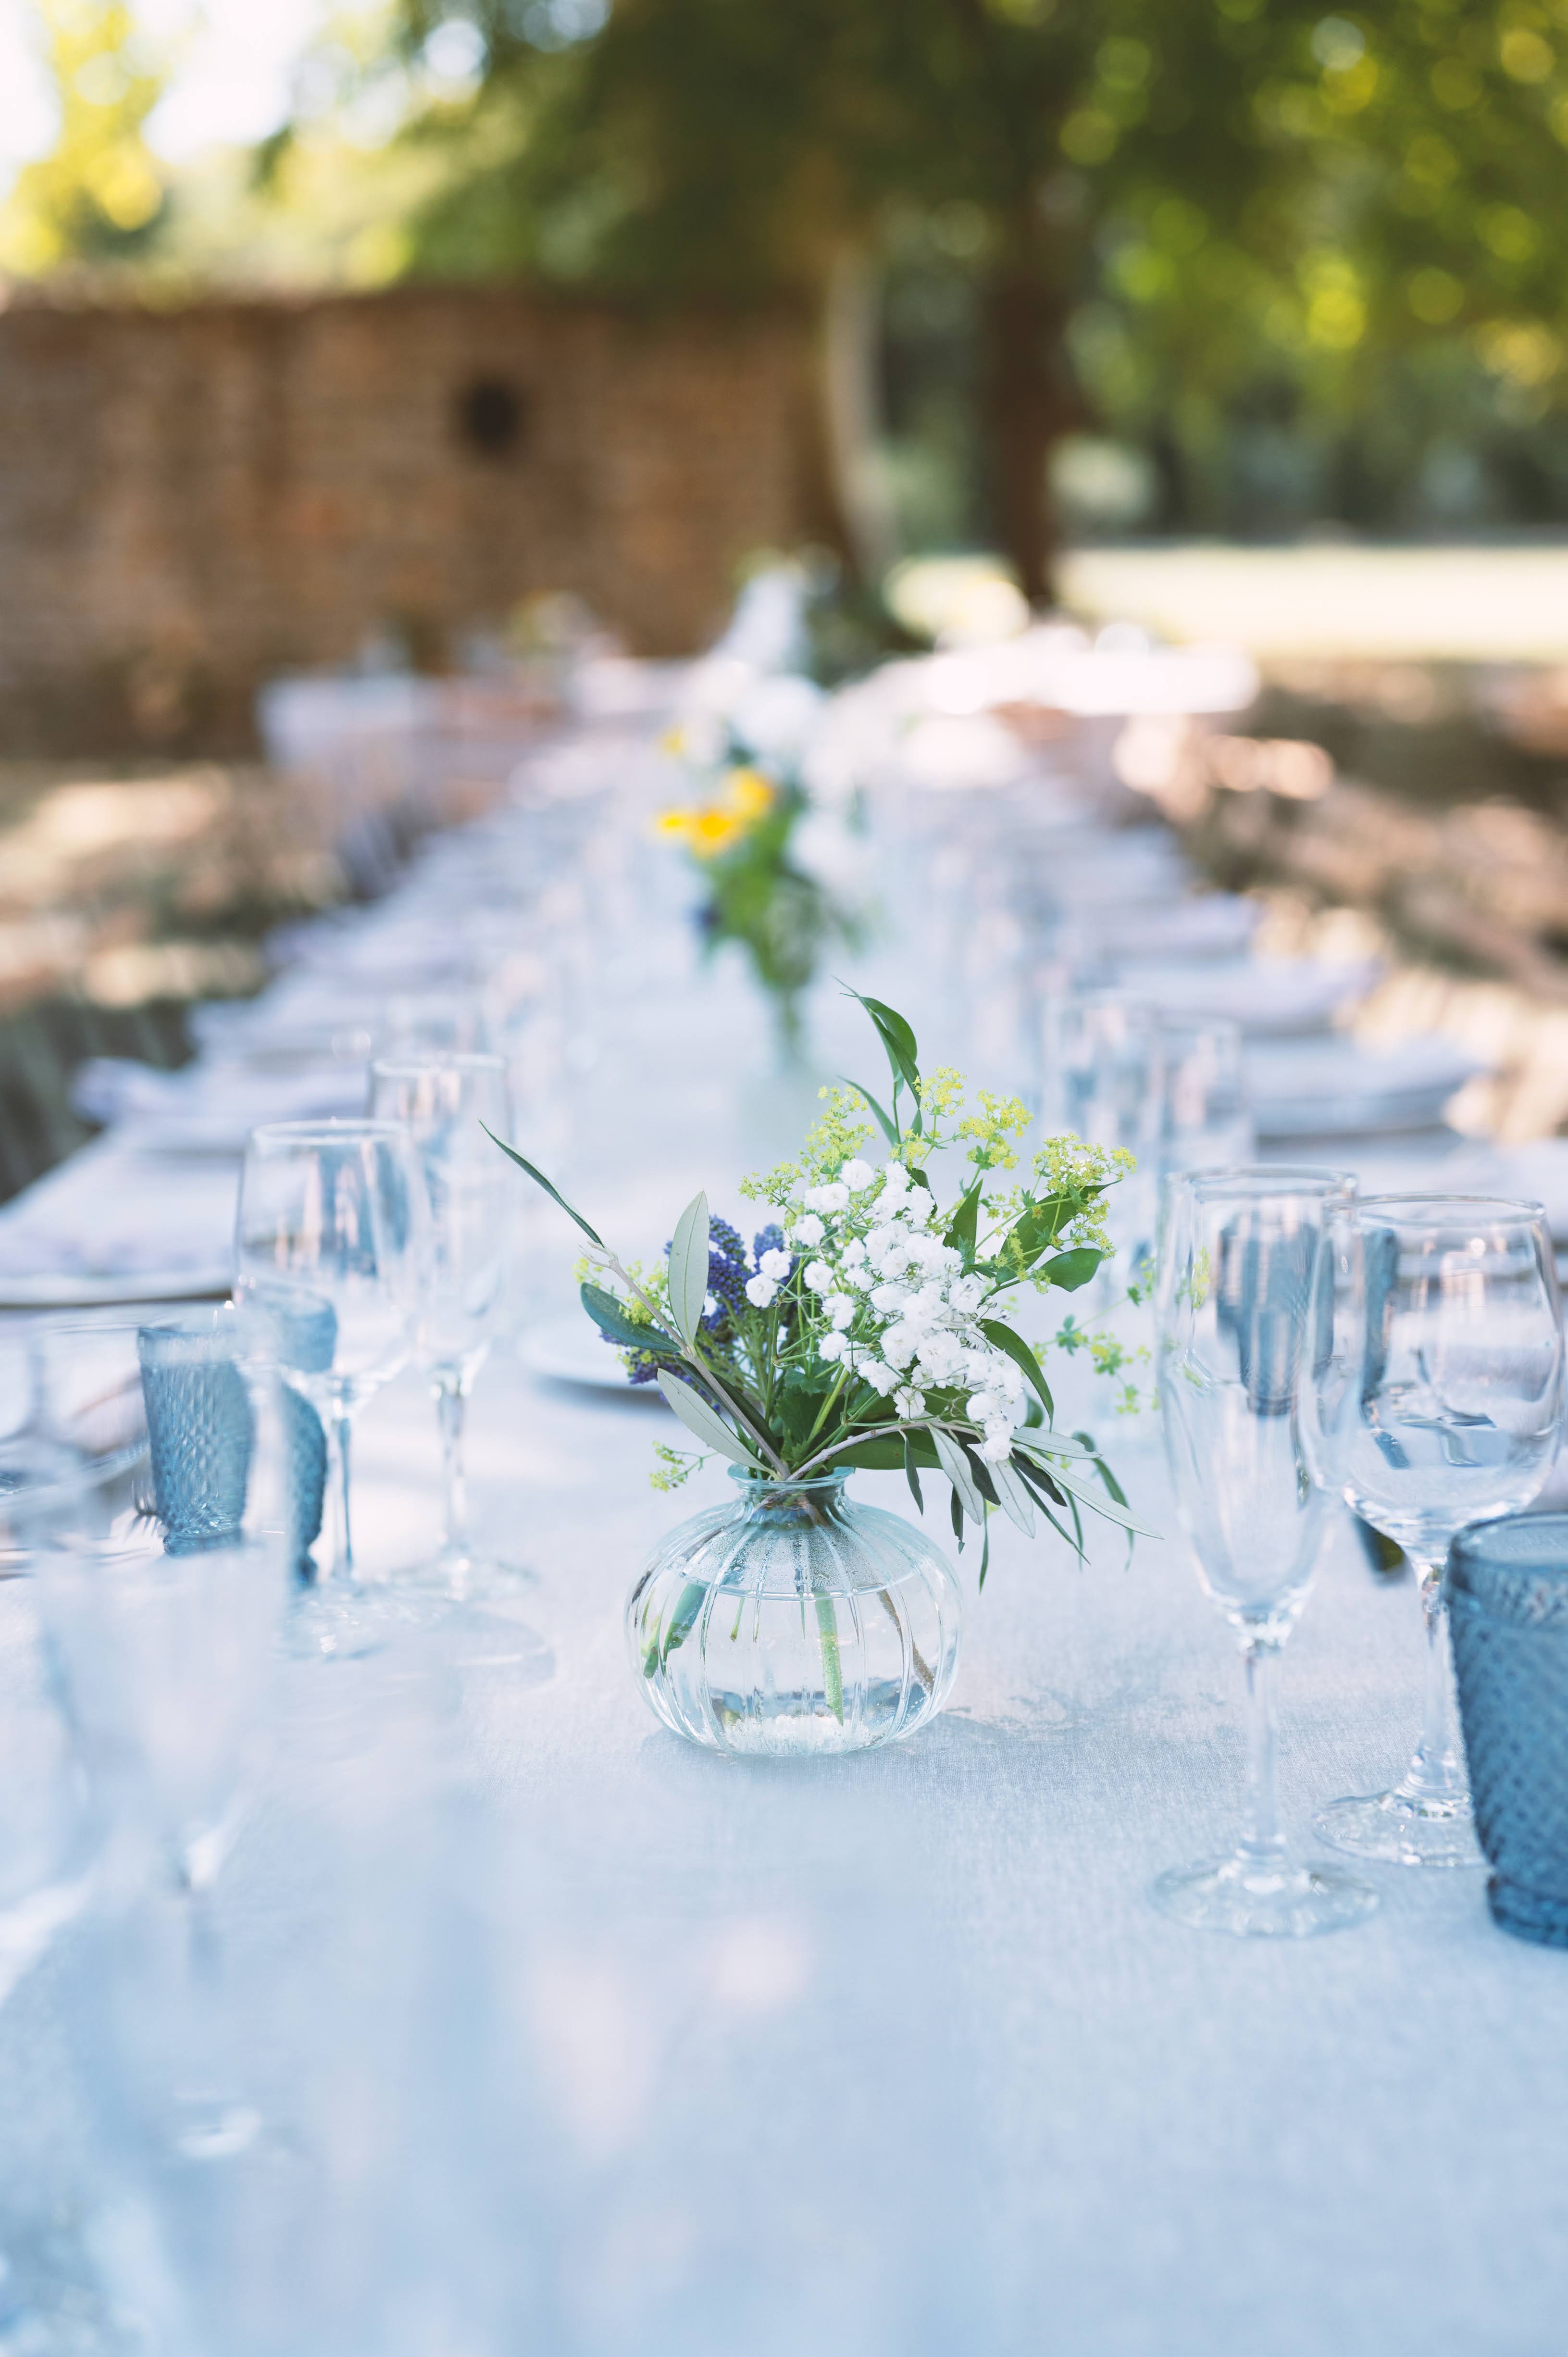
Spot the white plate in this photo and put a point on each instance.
(568, 1351)
(43, 1291)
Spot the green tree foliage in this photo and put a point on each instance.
(98, 195)
(1186, 193)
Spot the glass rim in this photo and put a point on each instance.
(330, 1129)
(1434, 1210)
(1263, 1179)
(437, 1060)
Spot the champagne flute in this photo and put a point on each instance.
(1452, 1415)
(1247, 1302)
(332, 1240)
(445, 1103)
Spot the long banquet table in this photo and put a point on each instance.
(624, 2049)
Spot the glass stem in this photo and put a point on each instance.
(1261, 1839)
(338, 1429)
(451, 1409)
(1435, 1772)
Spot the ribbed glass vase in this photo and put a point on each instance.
(794, 1623)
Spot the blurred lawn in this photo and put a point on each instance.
(1441, 604)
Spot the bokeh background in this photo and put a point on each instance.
(435, 340)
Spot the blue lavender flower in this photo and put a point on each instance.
(727, 1273)
(770, 1240)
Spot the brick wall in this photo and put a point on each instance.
(191, 501)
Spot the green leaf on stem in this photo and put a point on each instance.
(910, 1474)
(1102, 1468)
(962, 1227)
(884, 1121)
(955, 1464)
(1024, 1242)
(898, 1041)
(1071, 1269)
(539, 1179)
(689, 1269)
(613, 1323)
(708, 1425)
(1013, 1498)
(985, 1554)
(1004, 1338)
(956, 1505)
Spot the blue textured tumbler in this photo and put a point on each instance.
(1508, 1609)
(304, 1327)
(201, 1431)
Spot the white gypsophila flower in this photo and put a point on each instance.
(909, 1403)
(981, 1406)
(857, 1276)
(813, 1198)
(895, 1178)
(940, 1355)
(837, 1196)
(924, 1309)
(919, 1208)
(997, 1446)
(840, 1308)
(774, 1264)
(760, 1290)
(899, 1344)
(977, 1366)
(819, 1276)
(853, 1252)
(967, 1294)
(881, 1379)
(857, 1175)
(888, 1298)
(833, 1345)
(809, 1230)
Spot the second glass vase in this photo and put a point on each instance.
(795, 1622)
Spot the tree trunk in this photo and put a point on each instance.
(1030, 401)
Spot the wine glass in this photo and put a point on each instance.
(1452, 1415)
(1207, 1120)
(1247, 1304)
(160, 1541)
(331, 1241)
(445, 1103)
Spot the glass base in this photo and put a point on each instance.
(1402, 1829)
(339, 1621)
(459, 1577)
(1252, 1898)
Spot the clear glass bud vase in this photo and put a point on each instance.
(795, 1622)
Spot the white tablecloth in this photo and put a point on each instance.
(892, 2052)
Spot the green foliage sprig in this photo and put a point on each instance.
(868, 1326)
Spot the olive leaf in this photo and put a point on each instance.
(709, 1427)
(689, 1269)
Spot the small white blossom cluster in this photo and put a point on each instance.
(896, 1306)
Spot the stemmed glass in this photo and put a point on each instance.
(1247, 1300)
(331, 1241)
(1452, 1415)
(160, 1539)
(445, 1103)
